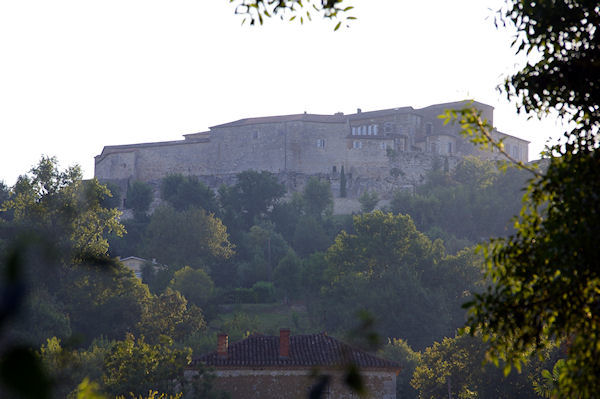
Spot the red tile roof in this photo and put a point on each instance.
(315, 350)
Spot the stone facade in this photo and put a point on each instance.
(380, 150)
(296, 384)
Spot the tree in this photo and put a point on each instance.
(113, 200)
(195, 285)
(285, 216)
(453, 368)
(56, 253)
(343, 183)
(138, 367)
(262, 248)
(58, 205)
(139, 198)
(388, 264)
(169, 314)
(191, 237)
(183, 192)
(309, 236)
(317, 198)
(257, 10)
(368, 201)
(475, 200)
(399, 351)
(288, 274)
(251, 197)
(4, 192)
(546, 275)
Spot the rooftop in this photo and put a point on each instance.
(314, 350)
(285, 118)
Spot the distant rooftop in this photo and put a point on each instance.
(285, 118)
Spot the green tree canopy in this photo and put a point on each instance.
(251, 197)
(192, 237)
(288, 275)
(388, 264)
(138, 367)
(60, 206)
(183, 192)
(368, 201)
(546, 275)
(453, 367)
(170, 315)
(195, 285)
(317, 199)
(139, 198)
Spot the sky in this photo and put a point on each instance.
(76, 75)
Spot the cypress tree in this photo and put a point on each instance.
(342, 183)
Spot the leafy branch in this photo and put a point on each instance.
(479, 132)
(257, 10)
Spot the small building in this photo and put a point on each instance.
(284, 366)
(136, 264)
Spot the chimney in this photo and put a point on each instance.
(358, 110)
(284, 342)
(222, 345)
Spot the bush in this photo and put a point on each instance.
(264, 291)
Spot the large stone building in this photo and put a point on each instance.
(271, 367)
(379, 150)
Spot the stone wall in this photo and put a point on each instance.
(296, 384)
(380, 150)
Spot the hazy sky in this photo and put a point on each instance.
(76, 75)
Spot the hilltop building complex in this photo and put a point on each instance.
(381, 150)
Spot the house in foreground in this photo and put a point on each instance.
(285, 366)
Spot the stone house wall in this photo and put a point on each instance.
(296, 384)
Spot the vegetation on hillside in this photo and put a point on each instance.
(291, 264)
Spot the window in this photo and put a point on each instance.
(449, 148)
(383, 146)
(433, 147)
(320, 143)
(375, 129)
(402, 144)
(370, 130)
(363, 130)
(428, 129)
(354, 130)
(357, 144)
(388, 127)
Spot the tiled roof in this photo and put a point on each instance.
(315, 350)
(382, 112)
(286, 118)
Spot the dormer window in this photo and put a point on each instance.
(320, 143)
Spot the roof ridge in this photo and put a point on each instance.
(306, 350)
